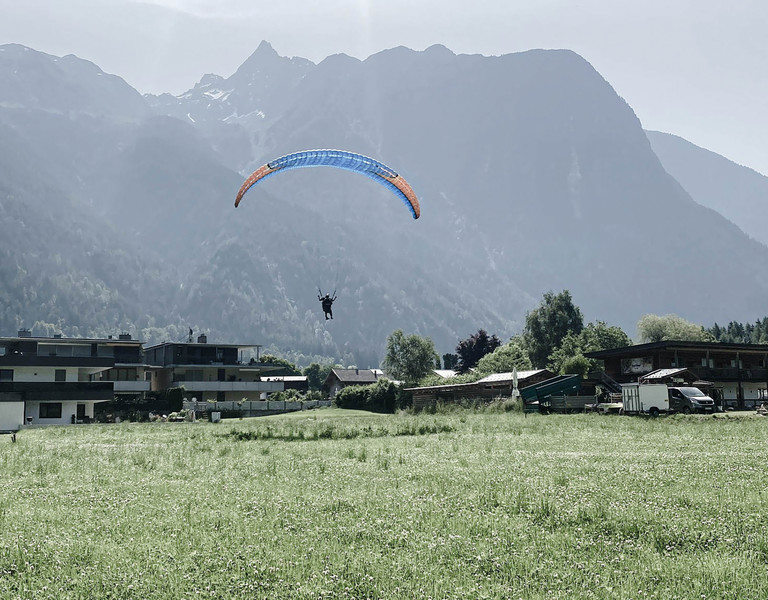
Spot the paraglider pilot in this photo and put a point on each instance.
(327, 303)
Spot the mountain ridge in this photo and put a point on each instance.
(533, 175)
(737, 192)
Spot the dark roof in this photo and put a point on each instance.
(71, 340)
(202, 345)
(353, 376)
(644, 349)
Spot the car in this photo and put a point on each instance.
(689, 400)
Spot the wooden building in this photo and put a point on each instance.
(487, 388)
(738, 373)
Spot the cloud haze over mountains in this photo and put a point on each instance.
(533, 175)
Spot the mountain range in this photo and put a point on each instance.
(532, 173)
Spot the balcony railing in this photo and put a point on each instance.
(33, 360)
(731, 374)
(59, 391)
(131, 386)
(231, 386)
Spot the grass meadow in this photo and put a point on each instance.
(346, 504)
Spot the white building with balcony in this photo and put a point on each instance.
(56, 380)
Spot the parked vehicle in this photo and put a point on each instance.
(650, 398)
(690, 399)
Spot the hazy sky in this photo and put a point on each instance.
(695, 68)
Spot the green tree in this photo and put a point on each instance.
(595, 336)
(741, 333)
(286, 367)
(316, 375)
(655, 328)
(504, 359)
(547, 325)
(472, 349)
(409, 357)
(577, 365)
(450, 361)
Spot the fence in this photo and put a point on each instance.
(254, 408)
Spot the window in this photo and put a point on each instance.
(60, 375)
(193, 375)
(120, 375)
(50, 410)
(6, 374)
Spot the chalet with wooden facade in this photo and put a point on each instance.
(737, 374)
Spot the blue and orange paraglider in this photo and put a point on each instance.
(341, 160)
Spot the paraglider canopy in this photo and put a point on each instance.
(339, 159)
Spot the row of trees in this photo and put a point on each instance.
(554, 337)
(741, 333)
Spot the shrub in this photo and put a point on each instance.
(353, 396)
(383, 396)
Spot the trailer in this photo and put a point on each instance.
(647, 398)
(566, 404)
(559, 385)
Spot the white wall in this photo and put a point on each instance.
(11, 415)
(754, 391)
(42, 373)
(68, 409)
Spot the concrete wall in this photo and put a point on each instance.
(27, 374)
(68, 409)
(254, 408)
(11, 415)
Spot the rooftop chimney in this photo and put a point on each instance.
(202, 339)
(25, 333)
(125, 336)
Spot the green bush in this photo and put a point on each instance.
(296, 396)
(383, 396)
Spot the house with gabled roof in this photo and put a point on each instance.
(341, 378)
